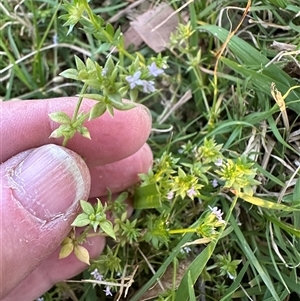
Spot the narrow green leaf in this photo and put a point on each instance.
(96, 97)
(296, 194)
(103, 48)
(163, 267)
(70, 73)
(107, 227)
(81, 220)
(110, 30)
(285, 226)
(90, 65)
(124, 106)
(122, 197)
(110, 66)
(261, 76)
(60, 117)
(195, 269)
(266, 204)
(79, 63)
(192, 296)
(249, 254)
(84, 132)
(97, 110)
(296, 202)
(115, 98)
(87, 207)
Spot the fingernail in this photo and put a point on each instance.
(49, 181)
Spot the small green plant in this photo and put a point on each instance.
(110, 83)
(223, 195)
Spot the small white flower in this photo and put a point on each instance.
(214, 183)
(218, 213)
(97, 276)
(185, 250)
(219, 162)
(104, 71)
(170, 195)
(191, 192)
(54, 39)
(107, 291)
(148, 86)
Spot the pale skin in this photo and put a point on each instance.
(37, 171)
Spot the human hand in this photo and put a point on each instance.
(41, 184)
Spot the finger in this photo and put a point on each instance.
(26, 125)
(53, 270)
(40, 193)
(120, 175)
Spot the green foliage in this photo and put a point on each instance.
(227, 266)
(224, 190)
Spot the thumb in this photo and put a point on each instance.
(40, 190)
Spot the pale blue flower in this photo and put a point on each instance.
(148, 86)
(154, 70)
(40, 299)
(185, 250)
(218, 213)
(219, 162)
(134, 80)
(54, 39)
(104, 71)
(107, 291)
(214, 183)
(97, 276)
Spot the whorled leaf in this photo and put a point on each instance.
(66, 248)
(82, 254)
(107, 227)
(87, 207)
(81, 220)
(60, 117)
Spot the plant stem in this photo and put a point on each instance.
(75, 114)
(182, 231)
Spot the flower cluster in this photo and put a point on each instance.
(97, 276)
(210, 222)
(142, 80)
(218, 213)
(227, 265)
(238, 175)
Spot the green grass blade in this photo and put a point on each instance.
(288, 228)
(243, 244)
(261, 76)
(266, 204)
(194, 271)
